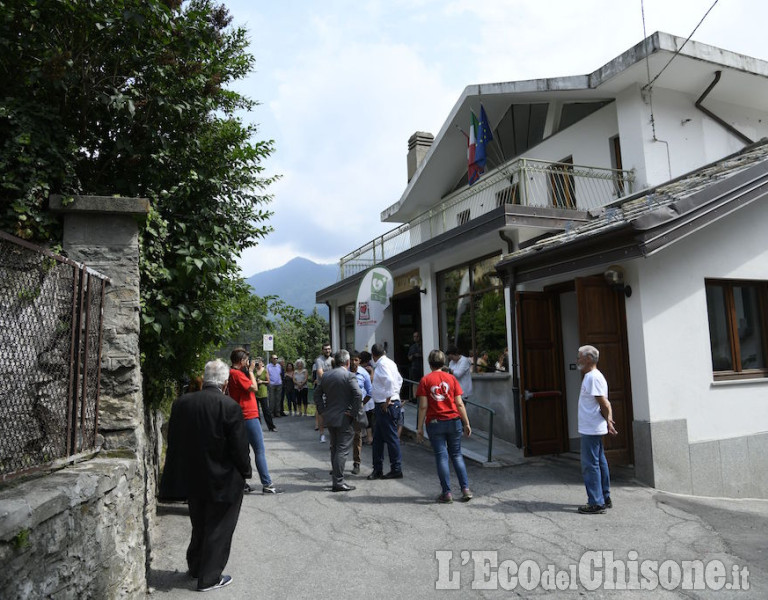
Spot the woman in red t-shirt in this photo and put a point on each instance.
(440, 405)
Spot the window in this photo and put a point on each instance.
(619, 184)
(737, 328)
(471, 308)
(462, 218)
(347, 321)
(561, 184)
(507, 196)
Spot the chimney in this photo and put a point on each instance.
(418, 146)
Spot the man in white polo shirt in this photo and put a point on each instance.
(595, 421)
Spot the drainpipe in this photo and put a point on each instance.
(330, 321)
(510, 242)
(514, 366)
(714, 117)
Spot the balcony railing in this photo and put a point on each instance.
(523, 182)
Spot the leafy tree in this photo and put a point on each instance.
(297, 335)
(130, 97)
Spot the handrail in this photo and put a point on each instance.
(489, 437)
(520, 181)
(491, 414)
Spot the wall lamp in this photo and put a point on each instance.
(614, 277)
(416, 284)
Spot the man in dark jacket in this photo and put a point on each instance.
(207, 464)
(338, 400)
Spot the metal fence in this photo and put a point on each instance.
(524, 182)
(50, 356)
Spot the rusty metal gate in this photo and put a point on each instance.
(51, 311)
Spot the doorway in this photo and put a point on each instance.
(406, 314)
(552, 324)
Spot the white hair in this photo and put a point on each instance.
(590, 351)
(216, 372)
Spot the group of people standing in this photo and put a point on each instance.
(280, 382)
(207, 462)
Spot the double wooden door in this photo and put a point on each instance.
(601, 323)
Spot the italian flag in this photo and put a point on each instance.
(473, 169)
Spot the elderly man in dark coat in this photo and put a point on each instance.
(338, 400)
(207, 464)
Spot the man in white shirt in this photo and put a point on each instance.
(385, 392)
(595, 421)
(323, 364)
(461, 367)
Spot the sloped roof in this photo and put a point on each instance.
(691, 71)
(650, 219)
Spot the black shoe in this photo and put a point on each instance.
(375, 475)
(608, 503)
(247, 489)
(592, 509)
(223, 582)
(355, 469)
(343, 488)
(393, 475)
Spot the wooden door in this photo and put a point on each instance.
(603, 324)
(542, 399)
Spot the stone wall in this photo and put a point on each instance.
(82, 532)
(77, 533)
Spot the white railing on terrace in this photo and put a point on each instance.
(524, 181)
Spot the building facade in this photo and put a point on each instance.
(538, 256)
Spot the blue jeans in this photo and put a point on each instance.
(385, 432)
(594, 469)
(445, 437)
(256, 439)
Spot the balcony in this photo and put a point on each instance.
(523, 182)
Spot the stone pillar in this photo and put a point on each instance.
(418, 146)
(102, 232)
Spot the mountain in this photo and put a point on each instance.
(296, 283)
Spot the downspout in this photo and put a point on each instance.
(514, 366)
(510, 242)
(330, 322)
(714, 117)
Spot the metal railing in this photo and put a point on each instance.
(482, 434)
(523, 181)
(50, 356)
(405, 395)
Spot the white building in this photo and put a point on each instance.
(622, 209)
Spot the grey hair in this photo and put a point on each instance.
(341, 358)
(216, 372)
(590, 351)
(299, 361)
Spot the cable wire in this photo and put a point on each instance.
(650, 83)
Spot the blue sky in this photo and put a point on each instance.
(343, 84)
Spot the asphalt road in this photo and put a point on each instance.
(519, 537)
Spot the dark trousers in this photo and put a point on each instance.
(385, 432)
(341, 442)
(266, 413)
(213, 524)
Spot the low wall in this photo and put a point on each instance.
(493, 390)
(77, 533)
(733, 468)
